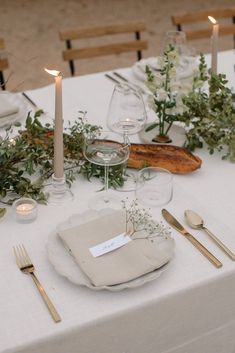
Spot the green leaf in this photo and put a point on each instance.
(2, 212)
(151, 127)
(26, 166)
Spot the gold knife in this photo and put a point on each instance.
(175, 224)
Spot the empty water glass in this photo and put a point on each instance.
(154, 186)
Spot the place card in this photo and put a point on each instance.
(110, 245)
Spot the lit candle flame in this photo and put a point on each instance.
(212, 19)
(53, 72)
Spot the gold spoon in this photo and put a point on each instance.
(196, 222)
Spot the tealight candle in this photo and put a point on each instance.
(25, 210)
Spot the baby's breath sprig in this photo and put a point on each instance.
(140, 223)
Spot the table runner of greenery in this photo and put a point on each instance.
(204, 103)
(26, 161)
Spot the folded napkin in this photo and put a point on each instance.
(6, 107)
(126, 263)
(184, 71)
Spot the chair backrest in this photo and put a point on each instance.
(3, 64)
(136, 45)
(187, 18)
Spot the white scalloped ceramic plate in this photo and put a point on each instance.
(23, 108)
(65, 265)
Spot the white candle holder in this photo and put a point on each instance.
(59, 191)
(25, 210)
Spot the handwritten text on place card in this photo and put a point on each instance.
(110, 245)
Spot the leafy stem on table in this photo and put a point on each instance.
(26, 161)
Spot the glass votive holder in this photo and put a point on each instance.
(25, 210)
(154, 186)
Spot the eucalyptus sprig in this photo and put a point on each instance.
(210, 113)
(26, 160)
(206, 105)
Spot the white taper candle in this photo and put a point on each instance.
(58, 133)
(214, 44)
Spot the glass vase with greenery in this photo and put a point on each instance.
(166, 92)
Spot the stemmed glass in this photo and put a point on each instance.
(126, 116)
(176, 39)
(107, 149)
(187, 54)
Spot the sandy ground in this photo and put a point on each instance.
(30, 29)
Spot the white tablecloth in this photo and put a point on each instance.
(190, 308)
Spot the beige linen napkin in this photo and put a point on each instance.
(131, 261)
(6, 107)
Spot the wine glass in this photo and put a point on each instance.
(107, 149)
(187, 54)
(177, 39)
(126, 116)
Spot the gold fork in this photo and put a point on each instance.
(25, 265)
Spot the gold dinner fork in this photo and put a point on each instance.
(25, 265)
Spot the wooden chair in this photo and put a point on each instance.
(187, 18)
(3, 65)
(135, 45)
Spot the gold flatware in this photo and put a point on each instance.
(133, 85)
(25, 265)
(29, 99)
(111, 78)
(175, 224)
(196, 222)
(120, 76)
